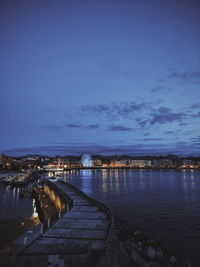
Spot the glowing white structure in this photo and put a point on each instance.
(86, 160)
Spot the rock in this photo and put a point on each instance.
(151, 242)
(138, 259)
(159, 254)
(173, 260)
(133, 244)
(155, 264)
(136, 233)
(151, 252)
(123, 260)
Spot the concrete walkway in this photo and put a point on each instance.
(78, 238)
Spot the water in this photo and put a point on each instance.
(17, 215)
(12, 206)
(163, 203)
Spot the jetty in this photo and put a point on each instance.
(82, 235)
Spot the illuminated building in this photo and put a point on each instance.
(86, 160)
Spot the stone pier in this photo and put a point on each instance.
(81, 236)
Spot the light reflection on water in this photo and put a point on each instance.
(166, 203)
(13, 206)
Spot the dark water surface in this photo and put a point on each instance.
(17, 215)
(163, 203)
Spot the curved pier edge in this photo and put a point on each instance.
(106, 208)
(100, 255)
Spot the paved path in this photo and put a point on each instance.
(78, 238)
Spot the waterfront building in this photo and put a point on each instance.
(86, 160)
(1, 159)
(97, 163)
(163, 163)
(118, 163)
(187, 163)
(5, 161)
(139, 163)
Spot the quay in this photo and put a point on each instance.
(20, 179)
(83, 235)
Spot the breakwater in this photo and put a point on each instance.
(85, 233)
(80, 235)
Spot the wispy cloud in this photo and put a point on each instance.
(70, 125)
(152, 139)
(197, 115)
(195, 105)
(170, 132)
(119, 128)
(183, 124)
(160, 88)
(92, 126)
(162, 115)
(114, 110)
(187, 75)
(73, 125)
(195, 139)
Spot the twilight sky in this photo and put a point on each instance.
(100, 77)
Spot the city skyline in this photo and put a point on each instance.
(100, 77)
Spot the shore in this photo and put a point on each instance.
(136, 248)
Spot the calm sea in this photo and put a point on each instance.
(165, 204)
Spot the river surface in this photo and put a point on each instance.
(165, 204)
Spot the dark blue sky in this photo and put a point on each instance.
(100, 77)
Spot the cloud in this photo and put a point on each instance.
(195, 139)
(187, 75)
(78, 126)
(195, 105)
(162, 115)
(92, 126)
(55, 128)
(72, 125)
(114, 110)
(120, 128)
(160, 88)
(197, 115)
(170, 132)
(183, 124)
(153, 139)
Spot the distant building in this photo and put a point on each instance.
(1, 159)
(139, 163)
(187, 163)
(97, 163)
(117, 163)
(163, 163)
(86, 160)
(5, 161)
